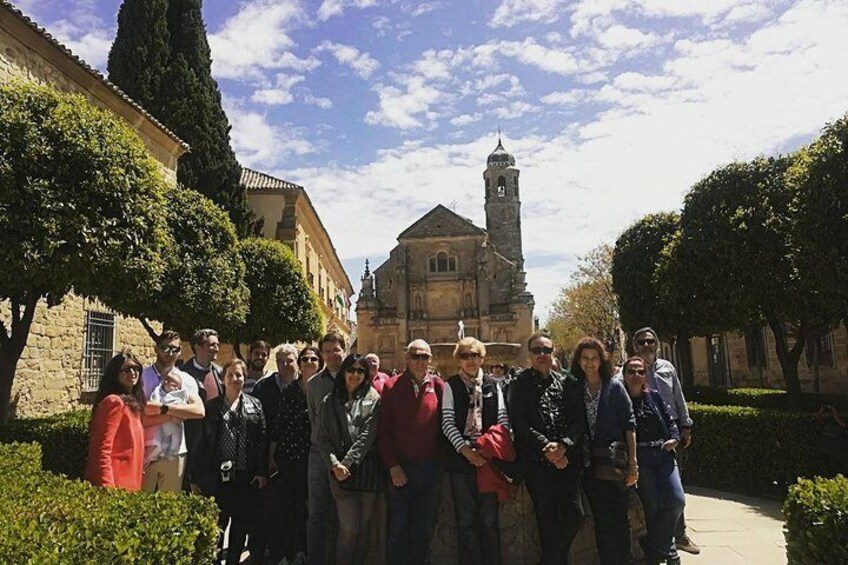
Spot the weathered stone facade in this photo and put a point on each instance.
(445, 270)
(748, 359)
(51, 371)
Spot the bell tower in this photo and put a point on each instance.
(503, 205)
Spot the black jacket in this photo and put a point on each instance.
(205, 469)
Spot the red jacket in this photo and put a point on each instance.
(115, 445)
(409, 426)
(495, 443)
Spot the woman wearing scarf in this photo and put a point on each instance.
(471, 404)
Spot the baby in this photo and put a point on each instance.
(167, 439)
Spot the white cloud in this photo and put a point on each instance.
(259, 143)
(465, 119)
(330, 8)
(361, 63)
(281, 93)
(321, 102)
(405, 109)
(570, 98)
(91, 46)
(256, 39)
(420, 8)
(511, 12)
(619, 37)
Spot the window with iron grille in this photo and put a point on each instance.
(755, 347)
(99, 347)
(819, 351)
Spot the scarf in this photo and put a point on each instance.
(474, 418)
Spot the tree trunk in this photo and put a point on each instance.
(237, 350)
(150, 331)
(684, 354)
(11, 347)
(788, 359)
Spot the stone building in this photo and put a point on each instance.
(445, 270)
(290, 217)
(70, 343)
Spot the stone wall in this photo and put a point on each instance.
(49, 378)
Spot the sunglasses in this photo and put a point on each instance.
(465, 355)
(172, 349)
(420, 356)
(358, 370)
(541, 350)
(649, 341)
(308, 359)
(130, 369)
(635, 371)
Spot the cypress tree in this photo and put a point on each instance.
(140, 54)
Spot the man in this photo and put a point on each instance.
(409, 441)
(256, 361)
(269, 390)
(322, 506)
(548, 418)
(163, 473)
(205, 346)
(378, 378)
(663, 378)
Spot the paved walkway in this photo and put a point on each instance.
(734, 529)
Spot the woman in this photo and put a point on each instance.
(347, 432)
(231, 461)
(609, 421)
(659, 481)
(309, 361)
(471, 404)
(290, 443)
(116, 434)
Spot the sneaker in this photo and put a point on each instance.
(687, 545)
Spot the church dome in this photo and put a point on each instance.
(500, 157)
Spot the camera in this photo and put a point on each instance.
(226, 471)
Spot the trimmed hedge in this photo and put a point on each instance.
(753, 450)
(45, 518)
(63, 439)
(816, 529)
(775, 399)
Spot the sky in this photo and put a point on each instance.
(613, 109)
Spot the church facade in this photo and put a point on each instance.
(446, 270)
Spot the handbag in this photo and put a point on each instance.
(610, 463)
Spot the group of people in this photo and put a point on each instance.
(307, 461)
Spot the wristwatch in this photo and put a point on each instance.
(163, 409)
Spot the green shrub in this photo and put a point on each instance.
(763, 398)
(816, 528)
(63, 439)
(45, 518)
(753, 450)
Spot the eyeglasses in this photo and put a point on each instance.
(130, 369)
(358, 370)
(308, 359)
(648, 341)
(420, 356)
(635, 371)
(541, 350)
(465, 355)
(172, 349)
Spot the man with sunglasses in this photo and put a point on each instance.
(662, 377)
(167, 473)
(548, 417)
(409, 439)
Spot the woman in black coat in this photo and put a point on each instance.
(230, 461)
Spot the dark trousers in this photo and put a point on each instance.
(608, 502)
(680, 528)
(558, 507)
(662, 498)
(285, 510)
(239, 506)
(478, 537)
(412, 513)
(321, 520)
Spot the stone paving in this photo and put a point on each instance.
(734, 529)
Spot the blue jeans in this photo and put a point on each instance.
(320, 522)
(662, 498)
(412, 513)
(478, 538)
(608, 502)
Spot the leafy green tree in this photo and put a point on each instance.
(282, 305)
(203, 286)
(187, 99)
(140, 54)
(636, 260)
(81, 207)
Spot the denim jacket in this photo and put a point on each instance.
(615, 414)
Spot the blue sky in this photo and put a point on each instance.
(613, 108)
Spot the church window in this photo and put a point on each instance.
(442, 262)
(452, 264)
(501, 186)
(432, 264)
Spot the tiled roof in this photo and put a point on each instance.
(254, 180)
(90, 70)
